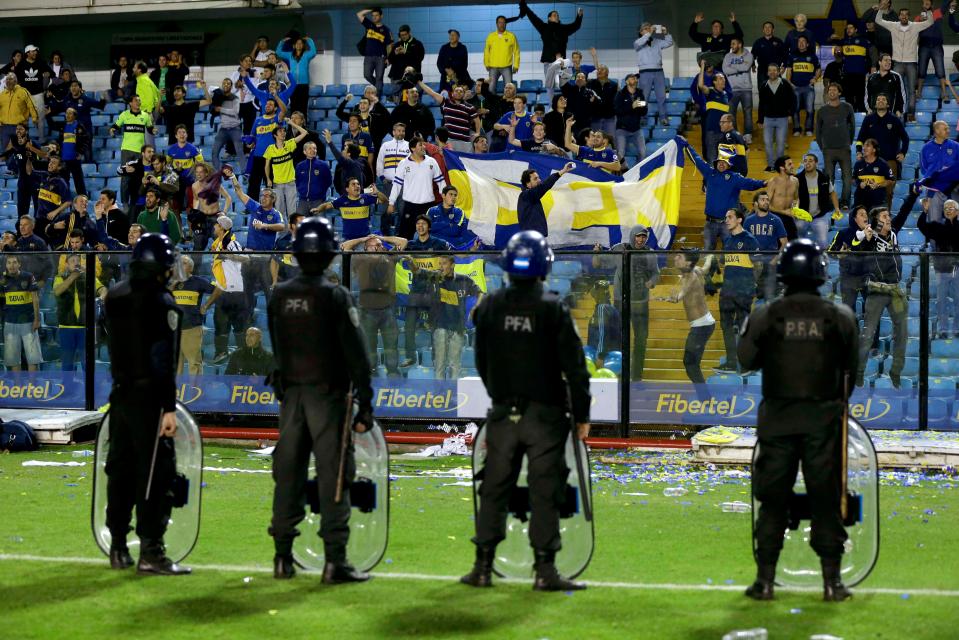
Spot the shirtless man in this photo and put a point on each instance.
(783, 191)
(206, 202)
(692, 293)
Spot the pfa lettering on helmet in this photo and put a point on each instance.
(518, 324)
(296, 306)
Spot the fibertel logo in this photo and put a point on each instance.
(45, 391)
(733, 407)
(392, 397)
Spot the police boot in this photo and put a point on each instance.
(762, 588)
(548, 578)
(120, 557)
(482, 573)
(337, 570)
(283, 568)
(833, 590)
(153, 561)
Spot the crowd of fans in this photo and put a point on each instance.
(391, 192)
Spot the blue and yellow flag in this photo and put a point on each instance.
(587, 206)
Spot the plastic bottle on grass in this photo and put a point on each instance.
(83, 453)
(736, 507)
(747, 634)
(674, 492)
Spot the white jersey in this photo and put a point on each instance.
(416, 180)
(392, 153)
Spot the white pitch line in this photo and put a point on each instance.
(665, 586)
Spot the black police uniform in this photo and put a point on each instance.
(143, 321)
(805, 346)
(319, 349)
(525, 343)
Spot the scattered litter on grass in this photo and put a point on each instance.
(247, 579)
(235, 470)
(273, 612)
(458, 444)
(904, 596)
(47, 463)
(634, 494)
(265, 451)
(795, 611)
(824, 636)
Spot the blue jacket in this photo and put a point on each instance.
(262, 96)
(722, 187)
(313, 179)
(299, 69)
(450, 225)
(936, 157)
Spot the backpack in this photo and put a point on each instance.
(16, 436)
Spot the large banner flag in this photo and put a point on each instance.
(587, 205)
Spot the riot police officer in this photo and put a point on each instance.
(144, 321)
(320, 352)
(800, 418)
(526, 343)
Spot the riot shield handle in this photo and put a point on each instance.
(344, 444)
(844, 443)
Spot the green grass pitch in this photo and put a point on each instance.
(679, 564)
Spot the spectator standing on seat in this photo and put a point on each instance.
(73, 140)
(232, 312)
(227, 105)
(248, 109)
(798, 31)
(182, 157)
(33, 74)
(415, 177)
(889, 83)
(649, 47)
(739, 285)
(121, 80)
(768, 50)
(374, 45)
(403, 54)
(930, 48)
(21, 316)
(692, 293)
(53, 196)
(777, 102)
(818, 197)
(21, 154)
(873, 176)
(881, 38)
(459, 116)
(274, 113)
(715, 42)
(737, 67)
(133, 124)
(297, 54)
(835, 132)
(905, 51)
(501, 54)
(554, 34)
(280, 171)
(723, 188)
(802, 72)
(16, 108)
(148, 93)
(938, 154)
(855, 66)
(452, 61)
(178, 112)
(631, 110)
(188, 295)
(945, 235)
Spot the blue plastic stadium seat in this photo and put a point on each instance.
(924, 117)
(946, 349)
(336, 90)
(357, 88)
(942, 386)
(420, 373)
(930, 92)
(425, 356)
(316, 90)
(928, 104)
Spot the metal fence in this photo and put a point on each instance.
(645, 345)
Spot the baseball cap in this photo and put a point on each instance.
(225, 222)
(30, 47)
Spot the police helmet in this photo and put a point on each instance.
(802, 262)
(527, 255)
(155, 249)
(314, 236)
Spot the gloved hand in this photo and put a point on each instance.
(363, 420)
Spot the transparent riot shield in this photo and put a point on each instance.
(798, 563)
(514, 556)
(370, 498)
(183, 528)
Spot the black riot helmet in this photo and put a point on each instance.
(802, 264)
(314, 244)
(154, 255)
